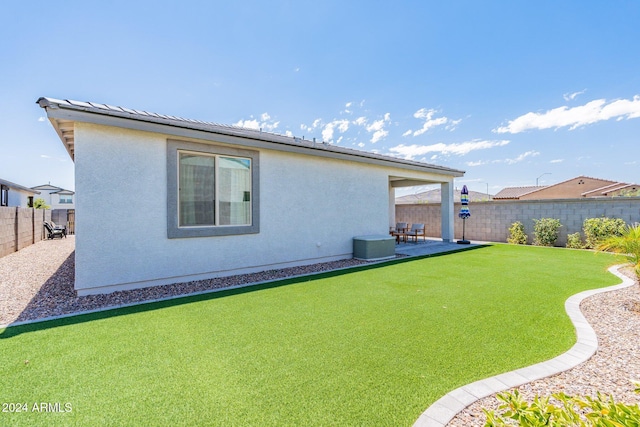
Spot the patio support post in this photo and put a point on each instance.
(392, 206)
(446, 210)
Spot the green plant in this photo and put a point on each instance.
(40, 204)
(545, 231)
(563, 410)
(598, 229)
(517, 236)
(628, 244)
(574, 241)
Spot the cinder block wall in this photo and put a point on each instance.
(21, 227)
(25, 227)
(7, 230)
(490, 221)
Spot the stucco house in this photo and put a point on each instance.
(574, 188)
(207, 200)
(14, 195)
(56, 197)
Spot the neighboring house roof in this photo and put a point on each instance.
(63, 113)
(14, 186)
(516, 192)
(434, 196)
(49, 187)
(567, 189)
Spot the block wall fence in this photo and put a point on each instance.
(21, 227)
(490, 221)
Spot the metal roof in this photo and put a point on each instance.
(63, 113)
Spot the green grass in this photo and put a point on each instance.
(375, 346)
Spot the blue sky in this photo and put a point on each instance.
(509, 91)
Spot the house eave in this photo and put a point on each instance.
(63, 115)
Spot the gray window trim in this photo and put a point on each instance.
(174, 231)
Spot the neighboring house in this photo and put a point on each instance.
(214, 200)
(575, 188)
(434, 196)
(16, 195)
(56, 197)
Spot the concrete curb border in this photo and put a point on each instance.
(447, 407)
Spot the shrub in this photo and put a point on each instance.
(40, 204)
(567, 411)
(574, 241)
(517, 235)
(545, 231)
(598, 229)
(628, 244)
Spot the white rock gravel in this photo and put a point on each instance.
(37, 282)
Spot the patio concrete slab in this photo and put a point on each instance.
(430, 247)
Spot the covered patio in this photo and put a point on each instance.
(446, 204)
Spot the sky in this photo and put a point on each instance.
(514, 93)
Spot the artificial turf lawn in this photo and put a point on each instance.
(375, 346)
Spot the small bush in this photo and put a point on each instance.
(517, 235)
(574, 241)
(598, 229)
(40, 204)
(564, 411)
(627, 244)
(545, 231)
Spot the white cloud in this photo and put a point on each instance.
(377, 128)
(557, 161)
(478, 163)
(327, 132)
(589, 113)
(407, 133)
(462, 148)
(572, 96)
(264, 123)
(42, 119)
(361, 144)
(430, 122)
(289, 133)
(360, 121)
(521, 157)
(348, 104)
(295, 70)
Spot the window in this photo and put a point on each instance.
(212, 190)
(4, 195)
(65, 198)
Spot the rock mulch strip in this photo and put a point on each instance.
(37, 282)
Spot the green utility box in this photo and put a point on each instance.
(374, 248)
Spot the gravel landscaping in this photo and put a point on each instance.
(37, 282)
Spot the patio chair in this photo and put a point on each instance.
(416, 231)
(401, 227)
(399, 232)
(54, 230)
